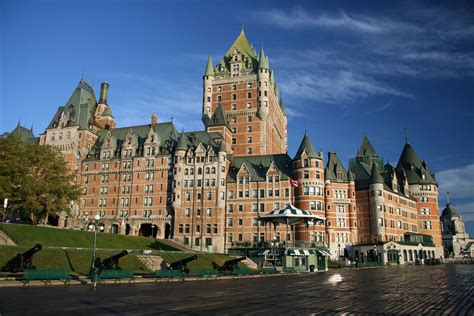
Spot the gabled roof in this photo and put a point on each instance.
(259, 165)
(217, 118)
(307, 145)
(366, 149)
(165, 131)
(334, 170)
(192, 140)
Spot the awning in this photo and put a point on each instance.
(324, 253)
(291, 215)
(300, 252)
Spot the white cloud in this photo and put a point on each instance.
(336, 87)
(458, 181)
(300, 18)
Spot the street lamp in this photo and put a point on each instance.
(375, 253)
(95, 225)
(152, 230)
(339, 254)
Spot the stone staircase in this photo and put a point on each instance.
(250, 263)
(152, 262)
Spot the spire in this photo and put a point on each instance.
(307, 145)
(209, 69)
(262, 60)
(182, 142)
(366, 148)
(375, 176)
(218, 118)
(409, 157)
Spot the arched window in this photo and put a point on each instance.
(191, 171)
(208, 170)
(186, 171)
(199, 170)
(213, 170)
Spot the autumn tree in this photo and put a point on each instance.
(35, 179)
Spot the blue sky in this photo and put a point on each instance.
(344, 68)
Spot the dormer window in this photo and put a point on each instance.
(129, 140)
(236, 58)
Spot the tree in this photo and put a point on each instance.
(34, 178)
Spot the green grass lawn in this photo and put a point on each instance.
(77, 261)
(204, 260)
(29, 235)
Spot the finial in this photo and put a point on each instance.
(406, 136)
(243, 28)
(31, 129)
(82, 74)
(19, 121)
(171, 118)
(447, 196)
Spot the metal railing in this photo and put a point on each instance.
(278, 244)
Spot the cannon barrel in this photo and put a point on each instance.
(231, 265)
(22, 261)
(30, 252)
(181, 264)
(112, 261)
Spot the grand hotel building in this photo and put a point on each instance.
(206, 189)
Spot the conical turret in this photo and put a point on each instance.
(262, 60)
(307, 145)
(209, 68)
(375, 176)
(182, 142)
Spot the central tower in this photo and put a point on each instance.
(243, 87)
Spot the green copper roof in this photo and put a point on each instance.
(243, 47)
(307, 145)
(334, 170)
(165, 131)
(209, 68)
(262, 60)
(259, 165)
(350, 175)
(366, 149)
(79, 109)
(217, 118)
(23, 133)
(375, 176)
(417, 171)
(450, 211)
(182, 142)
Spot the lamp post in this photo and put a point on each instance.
(375, 253)
(152, 230)
(274, 250)
(95, 225)
(339, 254)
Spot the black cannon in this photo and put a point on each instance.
(229, 265)
(182, 264)
(22, 261)
(112, 263)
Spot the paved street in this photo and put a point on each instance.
(445, 289)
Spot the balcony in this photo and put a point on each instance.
(278, 244)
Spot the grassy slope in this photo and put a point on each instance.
(77, 261)
(28, 235)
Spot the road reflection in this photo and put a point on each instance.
(334, 279)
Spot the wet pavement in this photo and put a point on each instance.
(415, 290)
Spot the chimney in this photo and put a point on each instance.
(154, 119)
(104, 91)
